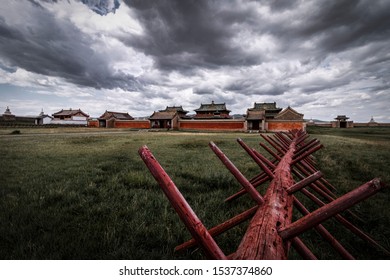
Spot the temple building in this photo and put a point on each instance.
(341, 121)
(8, 116)
(212, 111)
(70, 117)
(286, 120)
(109, 118)
(167, 118)
(256, 117)
(43, 119)
(372, 122)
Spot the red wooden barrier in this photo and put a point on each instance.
(192, 222)
(272, 229)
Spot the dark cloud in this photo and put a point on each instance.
(101, 7)
(346, 24)
(187, 34)
(255, 87)
(55, 47)
(204, 90)
(281, 5)
(297, 52)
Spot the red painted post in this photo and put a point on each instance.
(272, 153)
(325, 233)
(273, 144)
(261, 240)
(301, 139)
(264, 159)
(331, 209)
(259, 162)
(270, 232)
(237, 174)
(306, 147)
(282, 140)
(317, 186)
(302, 249)
(358, 232)
(182, 208)
(254, 155)
(221, 228)
(307, 153)
(303, 183)
(309, 168)
(243, 191)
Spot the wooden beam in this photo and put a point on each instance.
(261, 240)
(272, 153)
(258, 160)
(354, 229)
(304, 182)
(307, 153)
(302, 249)
(325, 233)
(327, 211)
(221, 228)
(182, 208)
(237, 174)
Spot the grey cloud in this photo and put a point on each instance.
(187, 34)
(55, 47)
(204, 89)
(102, 7)
(253, 86)
(281, 5)
(232, 49)
(345, 24)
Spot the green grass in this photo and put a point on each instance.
(83, 194)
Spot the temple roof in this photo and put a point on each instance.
(69, 112)
(265, 106)
(163, 115)
(8, 112)
(289, 114)
(212, 107)
(341, 117)
(174, 109)
(255, 115)
(117, 115)
(268, 110)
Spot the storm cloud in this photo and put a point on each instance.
(54, 46)
(319, 56)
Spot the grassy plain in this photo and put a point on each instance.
(86, 194)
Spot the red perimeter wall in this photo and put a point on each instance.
(212, 125)
(285, 126)
(141, 124)
(94, 123)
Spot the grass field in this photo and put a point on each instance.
(86, 194)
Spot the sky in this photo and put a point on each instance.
(322, 58)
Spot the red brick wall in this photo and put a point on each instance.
(93, 123)
(284, 126)
(212, 124)
(141, 124)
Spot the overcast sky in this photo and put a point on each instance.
(322, 58)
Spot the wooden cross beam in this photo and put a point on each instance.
(271, 231)
(262, 240)
(182, 208)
